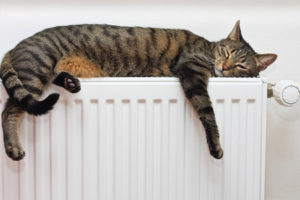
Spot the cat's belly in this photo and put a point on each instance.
(80, 66)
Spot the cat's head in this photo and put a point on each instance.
(234, 57)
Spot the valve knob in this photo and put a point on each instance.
(286, 93)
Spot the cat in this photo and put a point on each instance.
(61, 54)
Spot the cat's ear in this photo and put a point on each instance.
(236, 33)
(264, 60)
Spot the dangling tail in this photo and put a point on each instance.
(19, 95)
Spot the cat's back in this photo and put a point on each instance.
(87, 35)
(105, 45)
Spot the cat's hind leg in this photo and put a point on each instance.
(11, 117)
(67, 81)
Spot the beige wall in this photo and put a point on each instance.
(135, 2)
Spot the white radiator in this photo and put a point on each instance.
(138, 139)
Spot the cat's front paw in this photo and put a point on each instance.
(15, 152)
(217, 152)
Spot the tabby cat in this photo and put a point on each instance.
(59, 55)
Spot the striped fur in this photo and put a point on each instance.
(61, 54)
(20, 94)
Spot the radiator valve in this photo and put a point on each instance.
(285, 92)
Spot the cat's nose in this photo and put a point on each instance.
(225, 67)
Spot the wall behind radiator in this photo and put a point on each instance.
(268, 28)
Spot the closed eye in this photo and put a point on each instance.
(233, 50)
(241, 66)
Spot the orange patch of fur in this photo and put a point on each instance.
(162, 41)
(173, 49)
(163, 71)
(156, 72)
(79, 66)
(166, 70)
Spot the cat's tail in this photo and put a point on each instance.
(19, 95)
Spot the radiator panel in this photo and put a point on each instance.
(132, 139)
